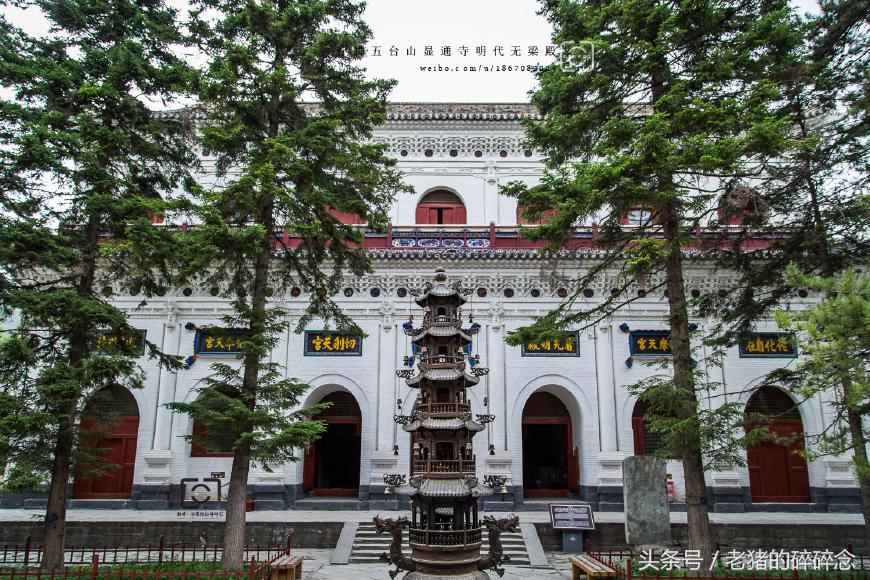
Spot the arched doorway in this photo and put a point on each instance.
(441, 207)
(777, 473)
(331, 465)
(550, 467)
(117, 406)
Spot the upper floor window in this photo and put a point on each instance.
(545, 217)
(345, 217)
(441, 207)
(742, 206)
(640, 216)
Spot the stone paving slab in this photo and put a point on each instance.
(113, 515)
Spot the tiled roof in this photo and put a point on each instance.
(458, 487)
(446, 423)
(461, 111)
(442, 375)
(441, 330)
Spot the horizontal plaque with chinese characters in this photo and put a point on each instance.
(129, 343)
(566, 345)
(649, 342)
(331, 343)
(768, 344)
(220, 340)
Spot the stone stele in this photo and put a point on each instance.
(647, 515)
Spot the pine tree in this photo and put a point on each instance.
(814, 200)
(282, 165)
(85, 160)
(834, 337)
(674, 105)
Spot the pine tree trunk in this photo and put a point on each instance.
(693, 464)
(55, 511)
(234, 528)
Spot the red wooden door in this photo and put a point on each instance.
(440, 214)
(776, 472)
(309, 467)
(573, 466)
(120, 450)
(637, 429)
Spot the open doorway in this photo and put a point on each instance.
(550, 467)
(331, 464)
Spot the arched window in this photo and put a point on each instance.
(441, 207)
(212, 443)
(114, 401)
(545, 217)
(639, 216)
(646, 442)
(742, 206)
(218, 444)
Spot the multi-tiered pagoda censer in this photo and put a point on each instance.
(445, 530)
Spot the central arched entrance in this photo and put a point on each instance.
(331, 464)
(550, 467)
(777, 472)
(117, 406)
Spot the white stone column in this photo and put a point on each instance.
(609, 457)
(166, 388)
(490, 194)
(382, 459)
(386, 388)
(607, 418)
(154, 489)
(495, 336)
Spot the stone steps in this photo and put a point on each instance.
(368, 546)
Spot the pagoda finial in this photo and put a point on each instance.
(440, 275)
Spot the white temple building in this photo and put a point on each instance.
(564, 420)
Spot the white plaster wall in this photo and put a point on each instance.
(574, 380)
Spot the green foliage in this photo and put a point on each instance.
(835, 363)
(84, 158)
(676, 104)
(281, 165)
(813, 202)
